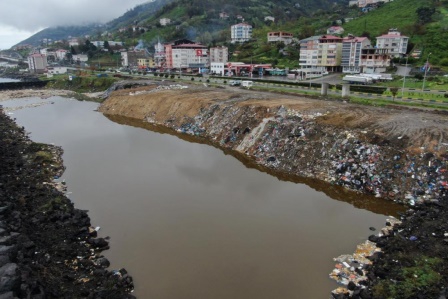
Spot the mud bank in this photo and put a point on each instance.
(47, 247)
(398, 154)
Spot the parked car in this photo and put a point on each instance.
(235, 83)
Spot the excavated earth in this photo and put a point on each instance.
(47, 247)
(390, 152)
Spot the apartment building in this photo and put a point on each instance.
(394, 42)
(219, 54)
(37, 63)
(240, 33)
(351, 53)
(329, 53)
(374, 60)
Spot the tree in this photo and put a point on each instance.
(425, 14)
(394, 91)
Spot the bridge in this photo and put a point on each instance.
(9, 58)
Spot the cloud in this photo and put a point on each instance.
(10, 36)
(30, 15)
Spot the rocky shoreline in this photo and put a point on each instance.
(47, 247)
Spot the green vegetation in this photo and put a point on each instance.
(82, 84)
(422, 274)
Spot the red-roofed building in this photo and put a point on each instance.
(335, 30)
(351, 53)
(186, 55)
(394, 42)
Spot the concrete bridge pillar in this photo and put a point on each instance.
(324, 89)
(345, 90)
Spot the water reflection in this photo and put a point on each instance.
(361, 201)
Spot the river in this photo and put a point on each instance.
(187, 220)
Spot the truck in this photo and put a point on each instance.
(247, 84)
(357, 79)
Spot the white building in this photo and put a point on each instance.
(394, 42)
(190, 56)
(240, 33)
(164, 21)
(219, 54)
(351, 53)
(73, 42)
(309, 48)
(80, 58)
(60, 54)
(217, 68)
(57, 70)
(37, 63)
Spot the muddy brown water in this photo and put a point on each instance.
(189, 221)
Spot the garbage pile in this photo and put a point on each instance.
(159, 88)
(350, 270)
(296, 142)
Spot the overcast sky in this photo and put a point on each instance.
(19, 19)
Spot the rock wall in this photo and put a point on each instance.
(366, 149)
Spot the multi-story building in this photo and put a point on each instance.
(240, 33)
(144, 63)
(164, 21)
(168, 62)
(329, 53)
(394, 42)
(219, 54)
(374, 60)
(37, 63)
(309, 51)
(192, 56)
(280, 36)
(130, 58)
(351, 53)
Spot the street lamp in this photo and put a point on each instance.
(405, 73)
(426, 70)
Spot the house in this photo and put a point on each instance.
(73, 42)
(335, 30)
(168, 50)
(351, 53)
(269, 18)
(280, 36)
(240, 33)
(164, 21)
(223, 15)
(374, 60)
(396, 43)
(60, 54)
(219, 54)
(37, 63)
(239, 17)
(57, 70)
(80, 58)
